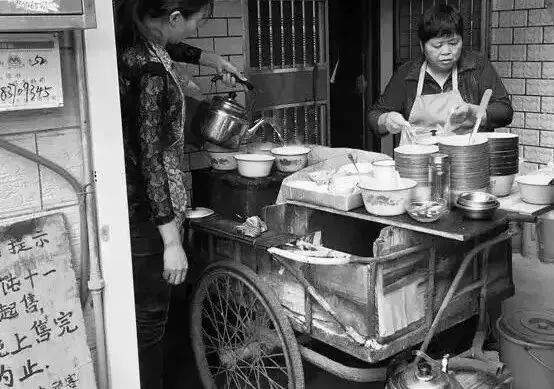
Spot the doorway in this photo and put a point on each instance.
(354, 70)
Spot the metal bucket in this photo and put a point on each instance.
(527, 347)
(545, 237)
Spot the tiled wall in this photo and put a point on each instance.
(223, 34)
(522, 51)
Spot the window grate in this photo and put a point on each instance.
(407, 17)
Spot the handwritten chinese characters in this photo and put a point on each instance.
(30, 73)
(42, 334)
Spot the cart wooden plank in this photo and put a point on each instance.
(452, 226)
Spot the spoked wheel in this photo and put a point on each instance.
(240, 337)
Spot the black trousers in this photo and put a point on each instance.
(152, 297)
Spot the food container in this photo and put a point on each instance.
(502, 185)
(534, 189)
(254, 165)
(527, 347)
(290, 158)
(477, 205)
(223, 160)
(426, 211)
(383, 201)
(384, 169)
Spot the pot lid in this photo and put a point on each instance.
(228, 105)
(535, 327)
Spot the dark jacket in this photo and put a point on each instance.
(153, 119)
(475, 75)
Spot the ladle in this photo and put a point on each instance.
(482, 108)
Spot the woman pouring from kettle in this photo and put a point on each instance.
(439, 93)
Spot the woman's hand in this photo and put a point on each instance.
(464, 115)
(395, 123)
(175, 263)
(175, 258)
(223, 67)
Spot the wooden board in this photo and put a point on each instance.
(453, 226)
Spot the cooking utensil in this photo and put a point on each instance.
(351, 158)
(482, 108)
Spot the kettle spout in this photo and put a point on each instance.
(252, 130)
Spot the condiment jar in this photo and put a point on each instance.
(439, 178)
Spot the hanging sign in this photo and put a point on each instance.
(30, 72)
(42, 332)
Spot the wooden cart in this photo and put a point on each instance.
(253, 312)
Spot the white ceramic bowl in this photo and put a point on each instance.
(223, 160)
(463, 140)
(254, 165)
(290, 158)
(417, 149)
(386, 202)
(502, 185)
(534, 189)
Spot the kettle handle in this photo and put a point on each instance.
(245, 83)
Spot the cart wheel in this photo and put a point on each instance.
(240, 337)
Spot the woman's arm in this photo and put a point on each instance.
(181, 52)
(386, 114)
(150, 129)
(500, 111)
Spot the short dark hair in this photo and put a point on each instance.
(439, 21)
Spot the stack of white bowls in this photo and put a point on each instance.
(469, 163)
(504, 161)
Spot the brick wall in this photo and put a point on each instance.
(522, 51)
(223, 34)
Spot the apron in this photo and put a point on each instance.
(430, 113)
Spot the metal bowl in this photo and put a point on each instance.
(477, 200)
(478, 214)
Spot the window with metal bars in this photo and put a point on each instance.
(287, 59)
(408, 12)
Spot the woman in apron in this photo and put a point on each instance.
(439, 93)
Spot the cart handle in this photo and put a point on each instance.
(457, 279)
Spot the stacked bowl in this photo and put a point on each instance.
(412, 162)
(504, 160)
(469, 163)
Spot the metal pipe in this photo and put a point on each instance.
(259, 29)
(304, 59)
(377, 374)
(281, 9)
(270, 4)
(314, 32)
(293, 32)
(96, 282)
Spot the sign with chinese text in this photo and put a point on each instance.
(30, 72)
(42, 333)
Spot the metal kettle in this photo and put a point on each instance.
(422, 375)
(225, 121)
